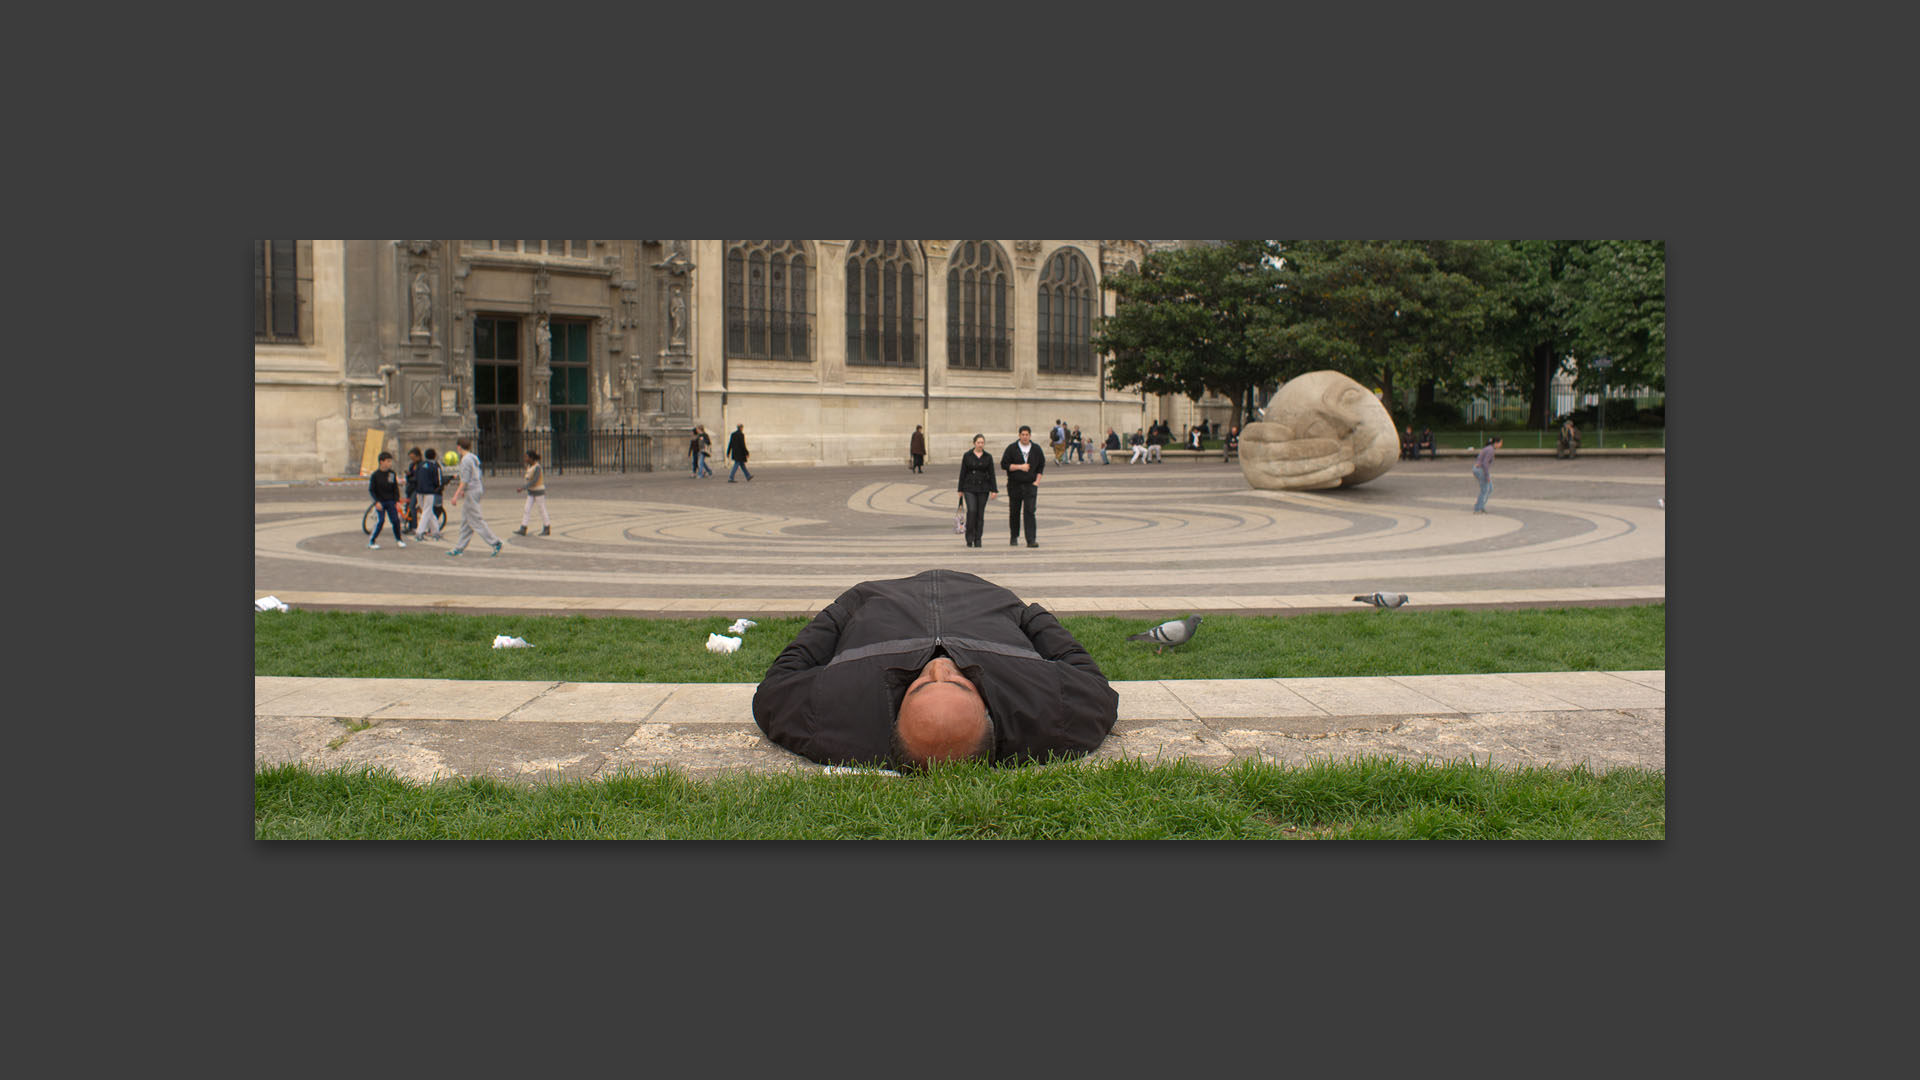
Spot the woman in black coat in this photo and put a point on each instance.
(978, 484)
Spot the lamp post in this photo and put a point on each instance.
(1601, 364)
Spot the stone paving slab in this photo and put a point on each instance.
(423, 728)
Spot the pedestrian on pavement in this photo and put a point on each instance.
(384, 486)
(1483, 469)
(737, 450)
(1078, 444)
(1024, 463)
(978, 483)
(941, 666)
(1108, 447)
(471, 489)
(429, 485)
(697, 449)
(536, 489)
(413, 493)
(917, 447)
(1057, 440)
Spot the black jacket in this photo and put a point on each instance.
(737, 445)
(978, 473)
(1012, 457)
(427, 480)
(833, 693)
(383, 485)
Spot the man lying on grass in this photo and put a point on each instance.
(940, 666)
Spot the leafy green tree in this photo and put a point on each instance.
(1387, 311)
(1533, 343)
(1615, 305)
(1186, 322)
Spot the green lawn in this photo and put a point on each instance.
(1355, 799)
(580, 648)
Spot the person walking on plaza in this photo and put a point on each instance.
(429, 488)
(978, 483)
(536, 489)
(1483, 469)
(917, 446)
(470, 489)
(737, 450)
(413, 492)
(1108, 447)
(697, 449)
(384, 486)
(1078, 444)
(1024, 463)
(1057, 440)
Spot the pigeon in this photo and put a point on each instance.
(1176, 632)
(1383, 599)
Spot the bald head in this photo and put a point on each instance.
(942, 718)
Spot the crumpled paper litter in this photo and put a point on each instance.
(720, 643)
(502, 641)
(740, 626)
(270, 603)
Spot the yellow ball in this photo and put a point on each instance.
(452, 459)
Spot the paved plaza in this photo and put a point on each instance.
(1175, 538)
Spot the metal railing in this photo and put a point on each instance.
(601, 450)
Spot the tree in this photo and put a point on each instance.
(1534, 341)
(1615, 305)
(1387, 310)
(1187, 322)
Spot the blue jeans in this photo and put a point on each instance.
(700, 464)
(739, 467)
(1486, 486)
(388, 512)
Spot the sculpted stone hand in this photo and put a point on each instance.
(1322, 430)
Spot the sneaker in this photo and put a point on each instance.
(371, 546)
(546, 530)
(521, 531)
(401, 543)
(496, 549)
(455, 551)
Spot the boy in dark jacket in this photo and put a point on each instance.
(384, 486)
(427, 483)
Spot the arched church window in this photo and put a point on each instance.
(769, 311)
(1064, 314)
(979, 295)
(885, 309)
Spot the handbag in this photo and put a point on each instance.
(960, 516)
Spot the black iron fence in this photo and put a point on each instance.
(605, 450)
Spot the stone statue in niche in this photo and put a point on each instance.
(542, 343)
(677, 317)
(422, 303)
(1322, 430)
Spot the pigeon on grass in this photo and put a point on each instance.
(1383, 599)
(1176, 632)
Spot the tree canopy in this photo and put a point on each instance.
(1186, 322)
(1443, 314)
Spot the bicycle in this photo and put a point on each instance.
(408, 512)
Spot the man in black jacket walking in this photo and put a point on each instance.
(1024, 463)
(939, 666)
(737, 450)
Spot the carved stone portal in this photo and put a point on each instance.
(1322, 430)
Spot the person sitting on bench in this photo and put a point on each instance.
(1425, 443)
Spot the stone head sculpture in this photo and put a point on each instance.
(1322, 430)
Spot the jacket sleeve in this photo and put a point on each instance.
(782, 704)
(1080, 706)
